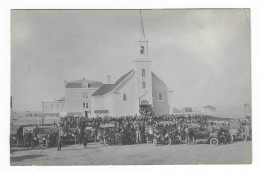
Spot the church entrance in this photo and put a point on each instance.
(145, 108)
(86, 113)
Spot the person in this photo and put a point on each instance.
(247, 131)
(85, 140)
(190, 135)
(47, 141)
(30, 139)
(25, 139)
(117, 135)
(59, 140)
(138, 134)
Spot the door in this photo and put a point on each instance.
(86, 113)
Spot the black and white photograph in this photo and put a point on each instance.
(130, 87)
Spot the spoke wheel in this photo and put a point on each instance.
(214, 141)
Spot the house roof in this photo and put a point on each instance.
(83, 80)
(101, 111)
(106, 88)
(79, 83)
(61, 99)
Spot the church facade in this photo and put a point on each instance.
(138, 88)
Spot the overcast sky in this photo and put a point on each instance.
(202, 55)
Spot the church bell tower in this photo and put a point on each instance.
(142, 68)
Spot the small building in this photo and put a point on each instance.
(186, 109)
(25, 118)
(208, 108)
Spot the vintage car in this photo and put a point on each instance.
(107, 134)
(214, 137)
(18, 139)
(44, 134)
(161, 134)
(91, 134)
(69, 136)
(240, 129)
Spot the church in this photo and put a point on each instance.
(137, 89)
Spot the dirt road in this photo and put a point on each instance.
(142, 154)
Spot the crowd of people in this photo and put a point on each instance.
(131, 129)
(126, 129)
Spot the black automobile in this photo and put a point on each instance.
(69, 136)
(213, 137)
(161, 135)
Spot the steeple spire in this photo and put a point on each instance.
(142, 34)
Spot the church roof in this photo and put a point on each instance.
(106, 88)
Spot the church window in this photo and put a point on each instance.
(85, 95)
(142, 50)
(124, 97)
(143, 72)
(84, 105)
(143, 84)
(160, 96)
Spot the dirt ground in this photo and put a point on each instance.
(141, 154)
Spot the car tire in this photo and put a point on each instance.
(213, 141)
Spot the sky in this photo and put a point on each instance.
(202, 55)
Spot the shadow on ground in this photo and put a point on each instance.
(21, 149)
(24, 157)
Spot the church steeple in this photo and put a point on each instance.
(142, 33)
(142, 68)
(142, 43)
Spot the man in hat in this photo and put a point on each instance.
(59, 140)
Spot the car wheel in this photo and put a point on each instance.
(213, 141)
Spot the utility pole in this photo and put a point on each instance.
(11, 108)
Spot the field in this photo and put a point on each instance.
(141, 154)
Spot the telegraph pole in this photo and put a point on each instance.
(11, 108)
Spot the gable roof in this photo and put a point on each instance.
(106, 88)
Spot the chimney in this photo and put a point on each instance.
(108, 79)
